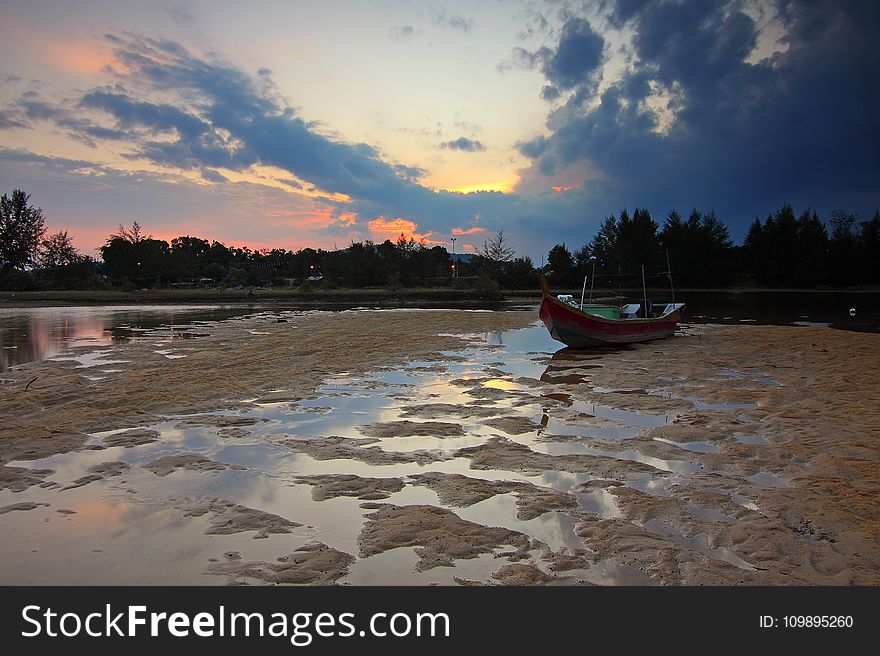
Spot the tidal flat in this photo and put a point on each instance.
(451, 447)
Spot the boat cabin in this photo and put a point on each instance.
(629, 311)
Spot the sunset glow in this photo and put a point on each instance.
(299, 124)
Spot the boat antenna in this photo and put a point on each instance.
(669, 273)
(619, 295)
(644, 291)
(592, 280)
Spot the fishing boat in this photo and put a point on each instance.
(581, 325)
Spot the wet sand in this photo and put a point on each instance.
(725, 455)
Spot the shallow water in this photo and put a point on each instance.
(29, 334)
(132, 528)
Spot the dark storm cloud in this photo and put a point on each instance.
(577, 58)
(464, 144)
(156, 117)
(223, 117)
(82, 129)
(746, 135)
(576, 62)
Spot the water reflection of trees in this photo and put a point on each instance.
(31, 334)
(37, 335)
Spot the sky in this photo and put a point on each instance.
(293, 124)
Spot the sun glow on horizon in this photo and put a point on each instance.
(503, 187)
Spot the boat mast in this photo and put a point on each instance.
(644, 292)
(619, 294)
(593, 279)
(669, 273)
(583, 291)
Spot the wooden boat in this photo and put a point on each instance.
(581, 326)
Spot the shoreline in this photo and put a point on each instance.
(347, 298)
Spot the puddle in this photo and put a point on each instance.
(89, 360)
(700, 404)
(698, 543)
(755, 440)
(748, 504)
(29, 334)
(764, 479)
(600, 502)
(698, 447)
(754, 377)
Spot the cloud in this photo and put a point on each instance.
(692, 112)
(697, 119)
(469, 231)
(91, 200)
(155, 117)
(395, 226)
(179, 12)
(194, 114)
(11, 119)
(402, 33)
(464, 144)
(578, 57)
(384, 229)
(524, 60)
(210, 175)
(452, 21)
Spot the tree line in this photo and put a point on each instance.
(784, 250)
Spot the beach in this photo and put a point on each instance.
(449, 447)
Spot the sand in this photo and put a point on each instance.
(342, 485)
(227, 517)
(440, 536)
(313, 564)
(759, 465)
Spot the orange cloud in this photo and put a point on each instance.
(561, 188)
(469, 231)
(80, 57)
(395, 226)
(300, 218)
(347, 219)
(400, 226)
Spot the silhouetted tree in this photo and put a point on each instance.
(870, 250)
(811, 262)
(130, 259)
(57, 250)
(624, 244)
(699, 249)
(561, 265)
(496, 249)
(603, 246)
(637, 242)
(21, 229)
(843, 248)
(518, 273)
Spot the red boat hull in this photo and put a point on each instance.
(578, 329)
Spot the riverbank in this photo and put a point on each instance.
(358, 297)
(306, 299)
(403, 446)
